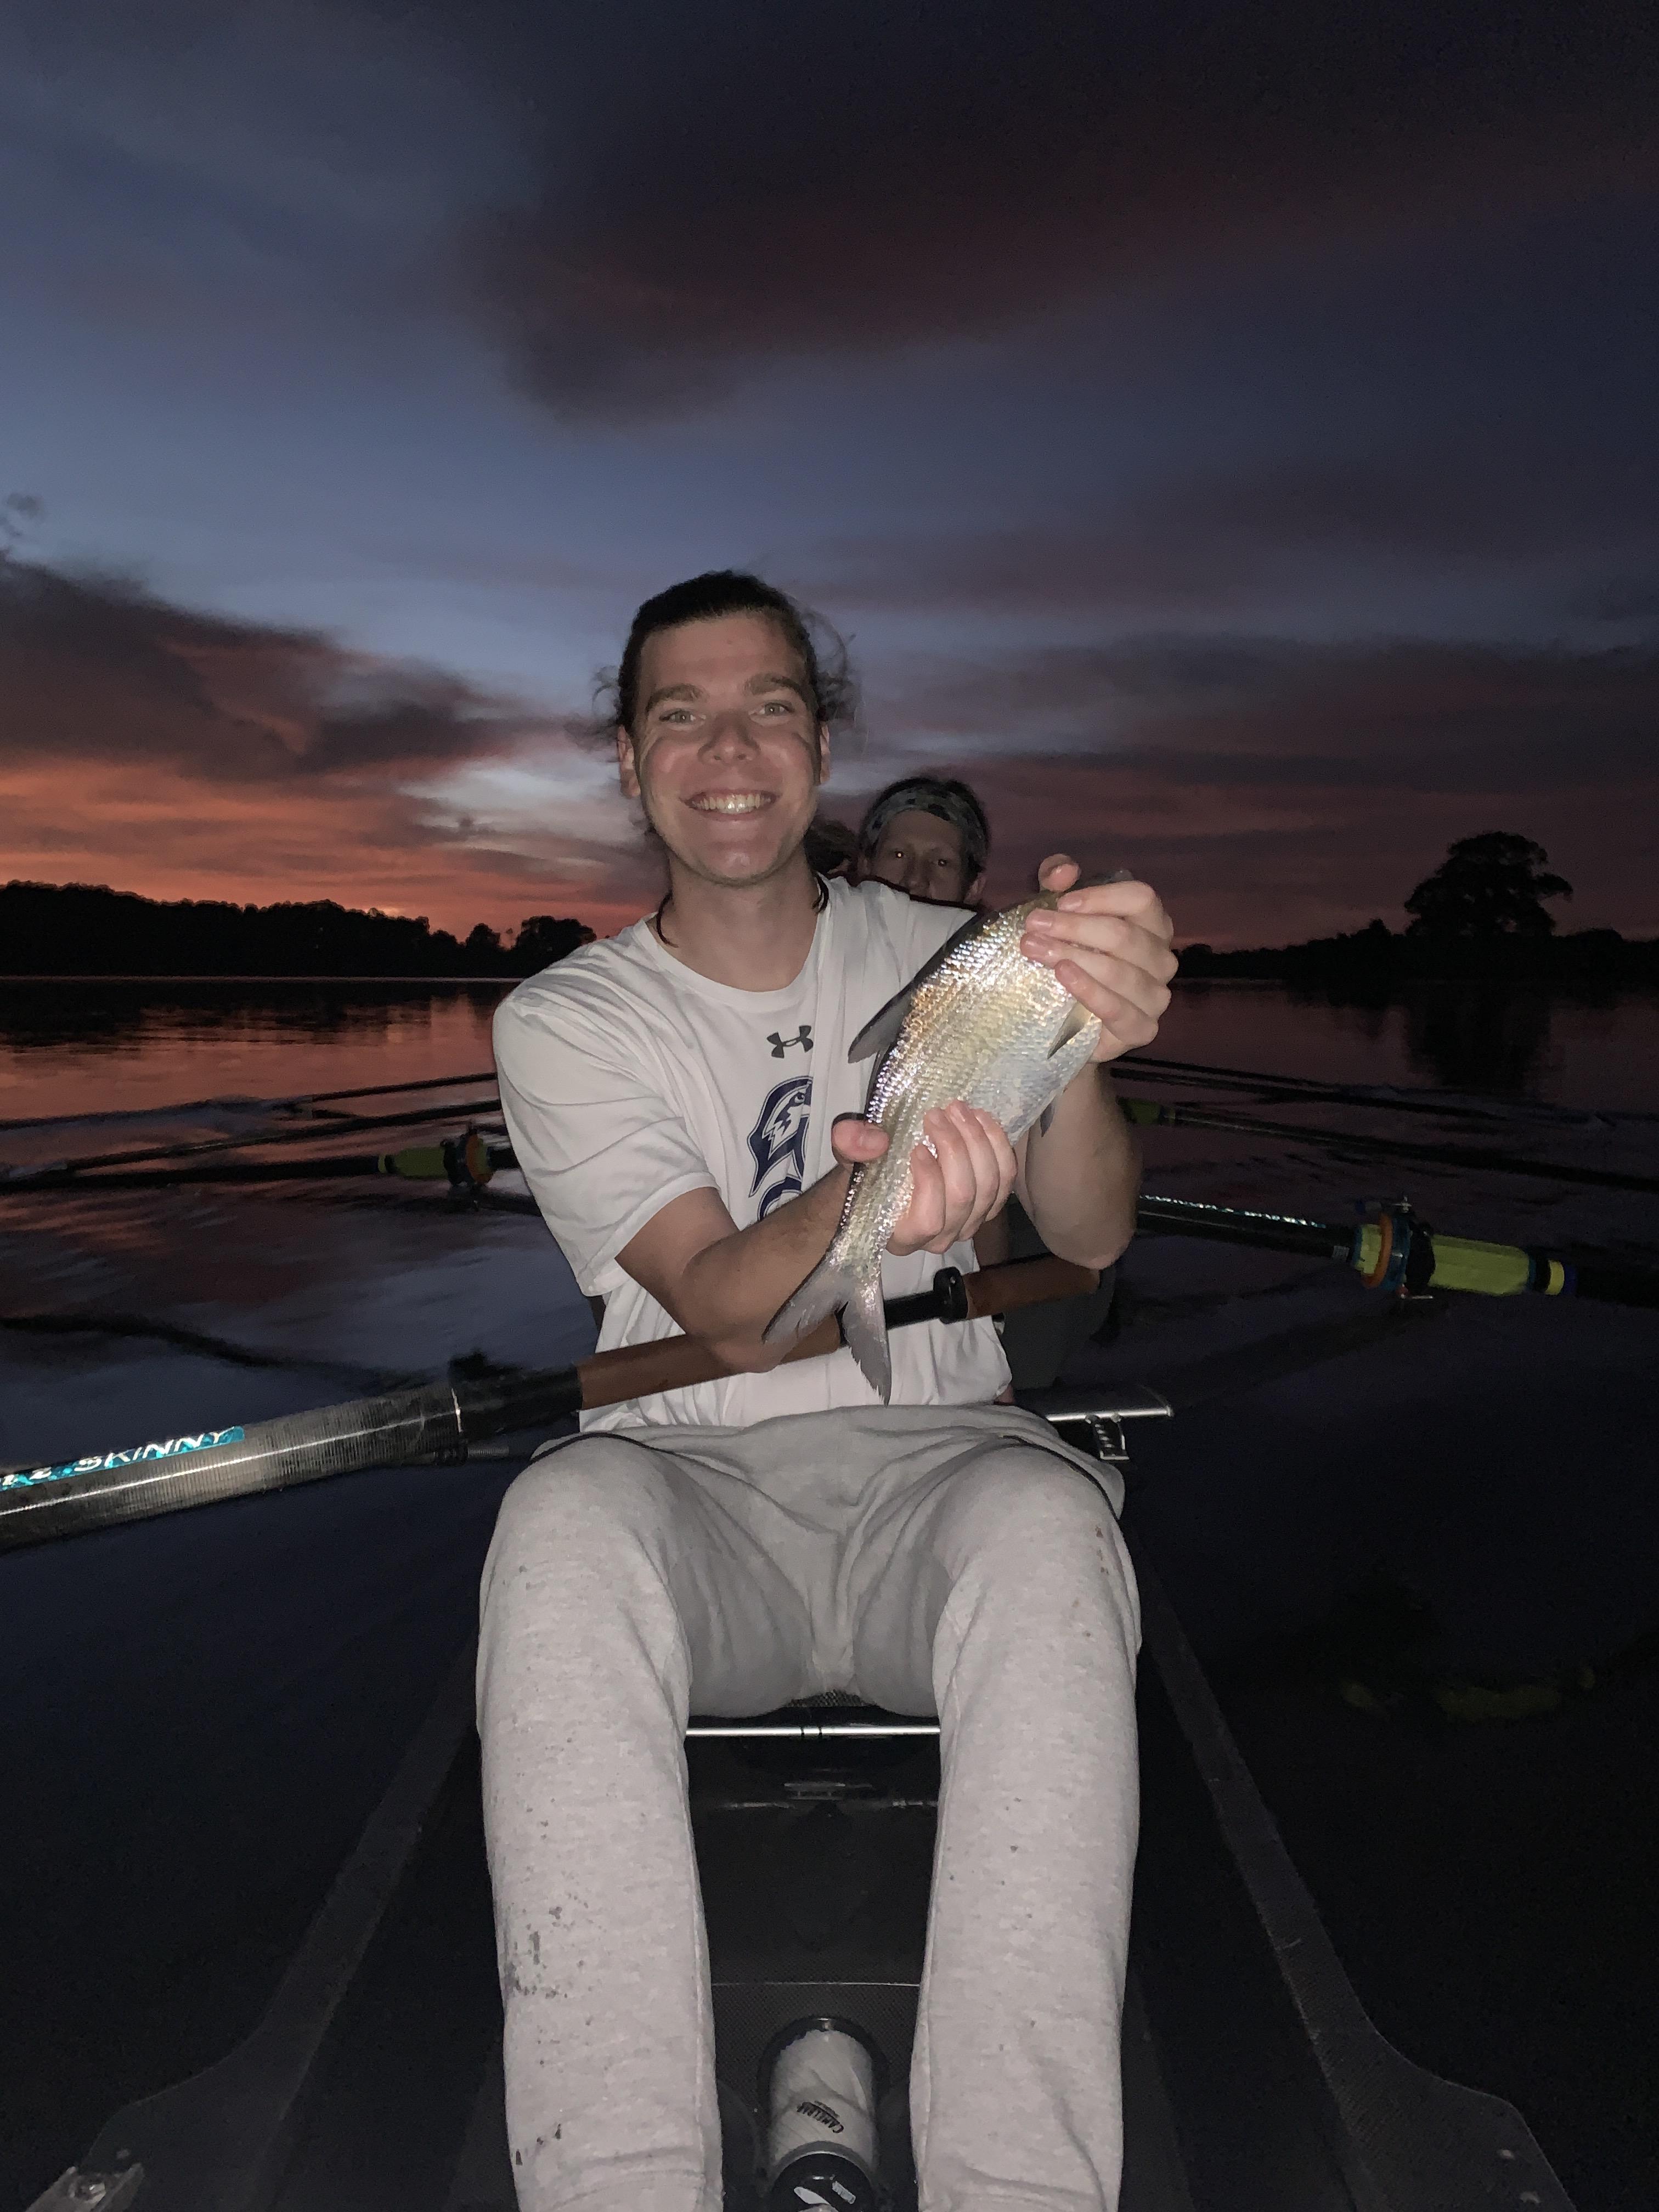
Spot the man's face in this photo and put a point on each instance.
(920, 855)
(725, 754)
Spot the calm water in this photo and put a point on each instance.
(80, 1047)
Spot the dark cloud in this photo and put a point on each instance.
(1619, 600)
(1409, 714)
(1240, 865)
(724, 183)
(96, 668)
(1217, 542)
(1281, 788)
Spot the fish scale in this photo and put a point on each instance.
(980, 1022)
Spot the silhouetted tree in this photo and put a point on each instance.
(1493, 885)
(544, 937)
(87, 929)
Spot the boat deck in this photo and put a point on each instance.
(1253, 2080)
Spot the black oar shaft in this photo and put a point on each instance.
(1397, 1251)
(58, 1174)
(1225, 1224)
(456, 1159)
(204, 1468)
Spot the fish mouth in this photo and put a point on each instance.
(730, 802)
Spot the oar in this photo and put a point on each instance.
(55, 1174)
(466, 1162)
(1385, 1095)
(1376, 1098)
(1153, 1113)
(1398, 1252)
(438, 1422)
(1460, 1263)
(258, 1105)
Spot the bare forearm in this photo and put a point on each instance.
(1079, 1182)
(731, 1288)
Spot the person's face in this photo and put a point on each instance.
(725, 754)
(920, 855)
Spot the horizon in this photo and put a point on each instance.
(507, 933)
(1225, 440)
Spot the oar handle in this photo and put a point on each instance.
(675, 1363)
(1018, 1283)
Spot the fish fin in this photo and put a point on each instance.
(825, 1291)
(880, 1033)
(864, 1325)
(834, 1286)
(1074, 1057)
(1072, 1024)
(1067, 1060)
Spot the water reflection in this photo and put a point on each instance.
(92, 1045)
(1473, 1035)
(1480, 1036)
(122, 1014)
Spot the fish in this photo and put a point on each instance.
(979, 1022)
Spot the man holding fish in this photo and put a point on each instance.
(688, 1101)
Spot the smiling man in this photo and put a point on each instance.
(682, 1103)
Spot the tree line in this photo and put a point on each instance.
(87, 929)
(1481, 913)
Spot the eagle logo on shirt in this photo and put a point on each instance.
(778, 1140)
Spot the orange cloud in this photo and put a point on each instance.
(1273, 790)
(181, 755)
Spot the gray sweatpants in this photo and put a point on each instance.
(952, 1560)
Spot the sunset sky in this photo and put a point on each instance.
(1227, 434)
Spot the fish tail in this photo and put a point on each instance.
(864, 1325)
(837, 1286)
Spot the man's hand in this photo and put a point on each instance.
(1111, 947)
(957, 1184)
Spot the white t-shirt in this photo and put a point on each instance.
(627, 1078)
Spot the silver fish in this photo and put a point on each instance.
(982, 1023)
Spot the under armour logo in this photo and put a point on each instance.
(803, 1037)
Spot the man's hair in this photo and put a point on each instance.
(731, 592)
(946, 796)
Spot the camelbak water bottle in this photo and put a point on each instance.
(818, 2092)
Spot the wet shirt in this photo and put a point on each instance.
(627, 1079)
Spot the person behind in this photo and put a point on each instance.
(682, 1104)
(928, 835)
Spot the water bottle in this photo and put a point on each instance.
(818, 2098)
